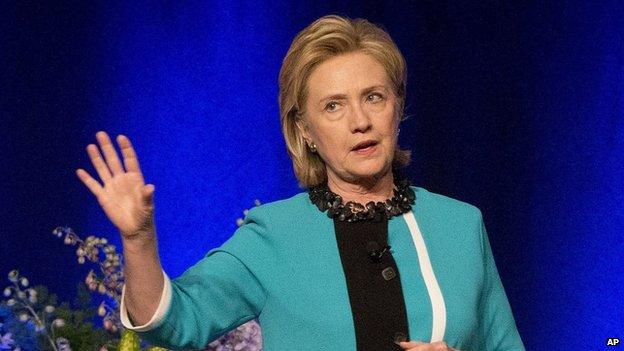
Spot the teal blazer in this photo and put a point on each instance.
(283, 267)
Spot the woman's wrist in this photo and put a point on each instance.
(139, 242)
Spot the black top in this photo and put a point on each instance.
(373, 283)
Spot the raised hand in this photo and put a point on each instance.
(124, 197)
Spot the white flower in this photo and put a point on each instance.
(67, 240)
(24, 282)
(257, 202)
(21, 294)
(239, 222)
(23, 317)
(101, 311)
(104, 241)
(81, 259)
(49, 309)
(32, 299)
(58, 323)
(7, 292)
(108, 324)
(13, 275)
(10, 302)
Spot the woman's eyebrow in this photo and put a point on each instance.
(371, 88)
(344, 96)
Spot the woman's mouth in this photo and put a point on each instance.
(366, 148)
(366, 151)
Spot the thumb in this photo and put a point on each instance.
(148, 193)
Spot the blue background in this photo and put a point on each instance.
(515, 108)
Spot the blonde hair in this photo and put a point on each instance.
(327, 37)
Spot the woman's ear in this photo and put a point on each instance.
(303, 129)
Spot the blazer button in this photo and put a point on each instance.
(388, 273)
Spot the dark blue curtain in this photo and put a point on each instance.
(516, 108)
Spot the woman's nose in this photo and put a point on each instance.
(360, 121)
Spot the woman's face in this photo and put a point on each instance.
(350, 101)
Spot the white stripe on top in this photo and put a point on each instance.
(437, 301)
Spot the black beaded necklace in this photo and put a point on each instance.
(400, 203)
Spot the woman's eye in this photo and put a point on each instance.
(330, 105)
(376, 94)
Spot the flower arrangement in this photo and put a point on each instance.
(14, 334)
(109, 278)
(23, 301)
(30, 318)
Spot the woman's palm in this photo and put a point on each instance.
(122, 201)
(125, 198)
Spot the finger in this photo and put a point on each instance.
(131, 162)
(98, 163)
(410, 344)
(112, 160)
(437, 347)
(414, 345)
(91, 183)
(440, 345)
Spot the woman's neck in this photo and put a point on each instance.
(363, 191)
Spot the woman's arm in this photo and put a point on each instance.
(129, 204)
(144, 281)
(217, 294)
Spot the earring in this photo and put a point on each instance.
(312, 147)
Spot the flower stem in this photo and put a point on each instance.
(39, 321)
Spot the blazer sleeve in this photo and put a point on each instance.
(498, 328)
(217, 294)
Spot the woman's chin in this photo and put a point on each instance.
(369, 170)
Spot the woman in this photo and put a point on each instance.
(362, 260)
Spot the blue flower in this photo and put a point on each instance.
(6, 342)
(21, 334)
